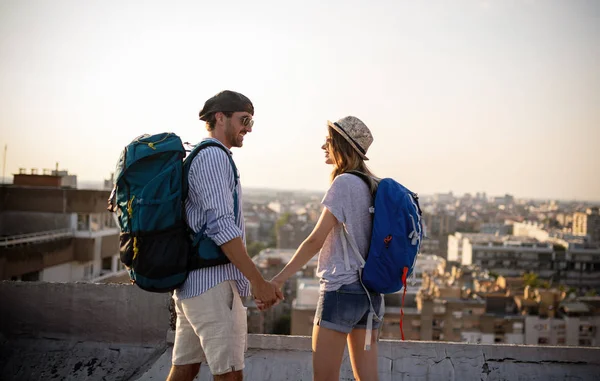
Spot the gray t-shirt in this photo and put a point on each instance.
(348, 199)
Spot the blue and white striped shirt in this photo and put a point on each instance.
(210, 202)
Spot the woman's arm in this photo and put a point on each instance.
(308, 248)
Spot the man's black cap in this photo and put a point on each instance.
(226, 101)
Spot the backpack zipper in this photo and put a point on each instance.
(130, 212)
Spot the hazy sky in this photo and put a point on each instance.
(495, 96)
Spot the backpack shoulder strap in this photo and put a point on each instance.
(363, 176)
(346, 239)
(371, 185)
(188, 162)
(345, 234)
(367, 180)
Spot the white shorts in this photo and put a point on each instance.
(212, 327)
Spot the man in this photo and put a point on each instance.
(210, 315)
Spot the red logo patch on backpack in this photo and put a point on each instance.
(387, 241)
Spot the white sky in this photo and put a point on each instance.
(462, 95)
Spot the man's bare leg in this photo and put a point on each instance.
(238, 375)
(183, 372)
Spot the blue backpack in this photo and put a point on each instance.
(395, 238)
(151, 186)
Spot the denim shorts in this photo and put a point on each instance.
(346, 308)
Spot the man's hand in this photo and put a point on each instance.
(266, 294)
(262, 290)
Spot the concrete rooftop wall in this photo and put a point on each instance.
(117, 332)
(278, 358)
(84, 312)
(79, 331)
(430, 361)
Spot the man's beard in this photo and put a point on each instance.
(232, 136)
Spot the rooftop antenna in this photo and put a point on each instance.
(4, 163)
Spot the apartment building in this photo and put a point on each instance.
(304, 306)
(502, 321)
(439, 223)
(456, 241)
(570, 330)
(434, 246)
(54, 232)
(500, 311)
(292, 232)
(508, 255)
(587, 224)
(411, 322)
(270, 262)
(497, 329)
(575, 261)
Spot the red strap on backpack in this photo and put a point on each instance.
(404, 274)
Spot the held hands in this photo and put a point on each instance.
(266, 294)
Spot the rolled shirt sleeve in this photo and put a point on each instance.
(337, 197)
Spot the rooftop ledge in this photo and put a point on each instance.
(90, 331)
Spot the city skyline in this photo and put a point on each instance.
(93, 184)
(494, 96)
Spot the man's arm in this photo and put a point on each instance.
(210, 185)
(262, 290)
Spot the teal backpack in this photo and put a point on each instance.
(151, 186)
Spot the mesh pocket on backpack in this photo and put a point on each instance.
(126, 249)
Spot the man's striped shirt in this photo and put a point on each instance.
(210, 202)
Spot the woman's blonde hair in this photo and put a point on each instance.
(346, 159)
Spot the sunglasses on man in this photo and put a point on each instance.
(247, 121)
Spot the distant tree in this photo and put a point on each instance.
(531, 280)
(553, 223)
(272, 239)
(283, 219)
(255, 247)
(493, 275)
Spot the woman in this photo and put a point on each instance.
(343, 307)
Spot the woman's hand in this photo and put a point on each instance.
(278, 285)
(278, 282)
